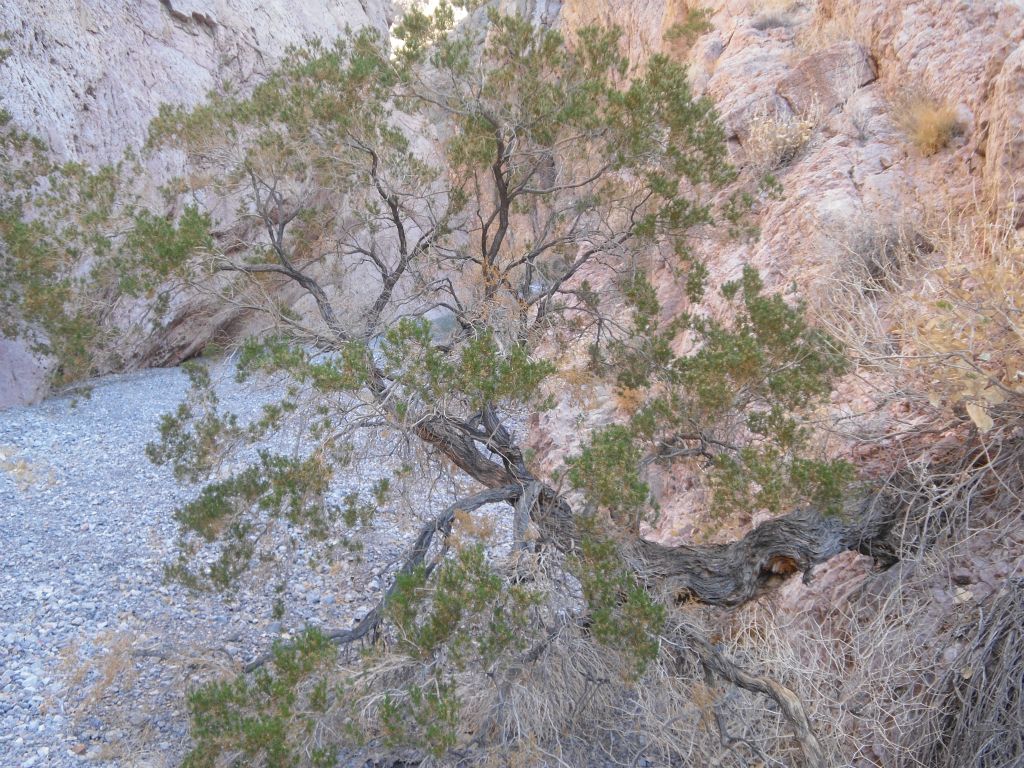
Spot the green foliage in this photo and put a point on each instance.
(75, 243)
(467, 609)
(695, 24)
(275, 486)
(495, 376)
(157, 248)
(739, 402)
(194, 440)
(768, 354)
(608, 472)
(426, 717)
(767, 477)
(636, 360)
(482, 373)
(264, 719)
(347, 370)
(622, 613)
(195, 436)
(357, 511)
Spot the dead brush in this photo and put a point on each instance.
(834, 21)
(869, 671)
(962, 323)
(853, 287)
(975, 712)
(928, 122)
(872, 666)
(938, 306)
(855, 669)
(101, 673)
(90, 679)
(773, 140)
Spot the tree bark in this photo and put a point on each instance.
(727, 574)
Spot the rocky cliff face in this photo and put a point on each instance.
(827, 97)
(894, 130)
(89, 75)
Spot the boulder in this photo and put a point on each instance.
(825, 79)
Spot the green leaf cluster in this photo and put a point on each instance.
(621, 612)
(466, 610)
(739, 403)
(74, 243)
(426, 717)
(607, 470)
(481, 373)
(267, 718)
(229, 511)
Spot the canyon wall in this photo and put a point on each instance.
(87, 76)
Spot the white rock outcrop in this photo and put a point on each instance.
(88, 75)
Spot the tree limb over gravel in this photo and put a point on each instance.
(417, 553)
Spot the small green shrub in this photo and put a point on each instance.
(265, 718)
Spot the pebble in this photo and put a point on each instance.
(84, 546)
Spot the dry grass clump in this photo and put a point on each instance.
(976, 711)
(90, 678)
(630, 399)
(929, 123)
(773, 20)
(774, 140)
(578, 703)
(24, 473)
(119, 677)
(939, 307)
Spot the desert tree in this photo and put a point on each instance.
(421, 230)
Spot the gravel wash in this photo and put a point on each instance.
(96, 650)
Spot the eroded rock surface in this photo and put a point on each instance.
(841, 69)
(89, 76)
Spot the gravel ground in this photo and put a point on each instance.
(96, 651)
